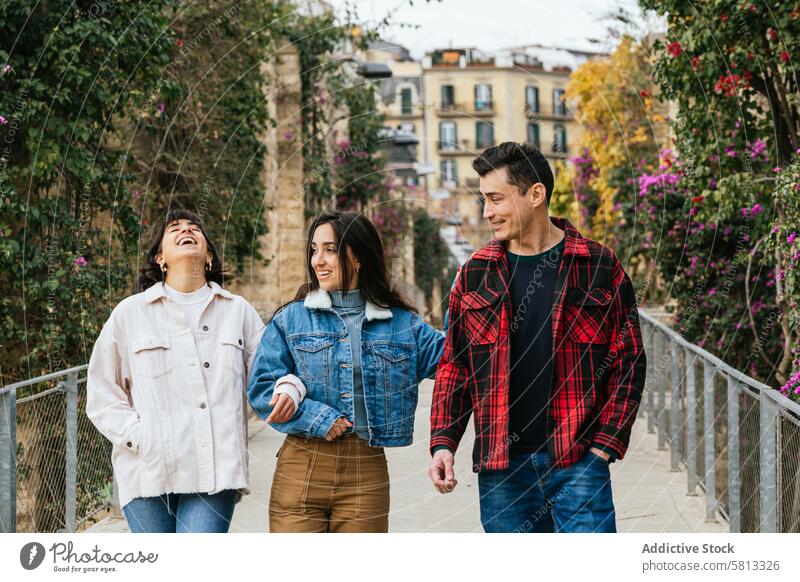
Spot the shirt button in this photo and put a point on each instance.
(206, 365)
(205, 328)
(203, 406)
(240, 342)
(129, 444)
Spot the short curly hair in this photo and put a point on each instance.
(525, 165)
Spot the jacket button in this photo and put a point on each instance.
(206, 365)
(203, 406)
(205, 328)
(129, 444)
(240, 342)
(345, 365)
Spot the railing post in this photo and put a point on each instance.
(651, 377)
(675, 413)
(662, 394)
(734, 465)
(768, 445)
(691, 423)
(71, 388)
(709, 444)
(647, 331)
(8, 460)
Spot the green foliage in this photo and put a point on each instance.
(431, 256)
(725, 66)
(69, 80)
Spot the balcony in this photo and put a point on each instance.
(464, 110)
(464, 147)
(413, 112)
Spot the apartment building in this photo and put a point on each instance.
(459, 101)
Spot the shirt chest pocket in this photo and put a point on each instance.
(231, 352)
(152, 356)
(480, 317)
(587, 315)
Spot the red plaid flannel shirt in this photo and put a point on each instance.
(598, 363)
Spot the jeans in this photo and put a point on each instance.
(181, 513)
(532, 496)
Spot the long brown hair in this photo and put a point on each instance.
(356, 232)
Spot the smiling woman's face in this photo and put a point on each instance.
(183, 242)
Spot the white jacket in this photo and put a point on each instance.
(173, 405)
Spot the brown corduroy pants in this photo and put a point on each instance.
(338, 486)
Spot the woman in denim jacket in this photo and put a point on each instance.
(360, 350)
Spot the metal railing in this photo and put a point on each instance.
(55, 467)
(738, 439)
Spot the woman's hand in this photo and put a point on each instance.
(338, 428)
(282, 408)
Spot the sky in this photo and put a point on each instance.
(494, 24)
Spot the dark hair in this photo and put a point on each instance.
(356, 232)
(525, 165)
(151, 273)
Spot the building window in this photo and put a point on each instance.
(405, 101)
(532, 99)
(559, 139)
(449, 173)
(448, 97)
(533, 135)
(484, 134)
(483, 97)
(447, 136)
(559, 107)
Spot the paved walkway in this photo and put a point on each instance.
(648, 497)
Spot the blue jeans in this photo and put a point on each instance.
(181, 513)
(532, 496)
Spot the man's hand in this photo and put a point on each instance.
(441, 471)
(602, 454)
(338, 428)
(282, 408)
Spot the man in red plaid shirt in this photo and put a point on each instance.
(544, 348)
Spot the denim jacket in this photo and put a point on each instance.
(308, 339)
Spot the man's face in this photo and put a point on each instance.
(508, 211)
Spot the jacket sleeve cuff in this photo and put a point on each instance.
(443, 441)
(611, 441)
(293, 387)
(324, 422)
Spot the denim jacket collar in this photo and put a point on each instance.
(157, 292)
(321, 299)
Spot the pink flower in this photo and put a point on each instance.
(80, 262)
(775, 229)
(3, 120)
(730, 151)
(756, 209)
(674, 49)
(288, 135)
(776, 169)
(6, 68)
(792, 237)
(161, 107)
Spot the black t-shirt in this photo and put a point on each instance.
(533, 280)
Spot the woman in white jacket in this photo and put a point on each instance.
(166, 385)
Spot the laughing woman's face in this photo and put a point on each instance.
(183, 243)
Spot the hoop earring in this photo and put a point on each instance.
(163, 267)
(208, 267)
